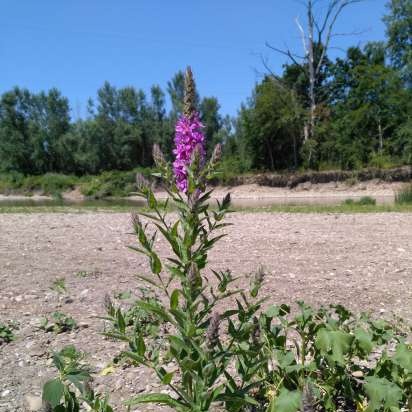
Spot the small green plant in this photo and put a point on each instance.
(404, 196)
(72, 387)
(59, 285)
(367, 200)
(6, 332)
(87, 274)
(59, 323)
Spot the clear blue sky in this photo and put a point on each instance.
(75, 45)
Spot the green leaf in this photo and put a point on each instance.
(167, 378)
(120, 321)
(363, 340)
(333, 344)
(141, 347)
(161, 398)
(382, 392)
(155, 264)
(174, 299)
(287, 401)
(403, 357)
(53, 391)
(78, 378)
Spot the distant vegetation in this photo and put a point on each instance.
(362, 118)
(404, 196)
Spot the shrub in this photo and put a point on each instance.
(366, 200)
(404, 196)
(50, 183)
(115, 183)
(363, 201)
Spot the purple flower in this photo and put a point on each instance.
(188, 137)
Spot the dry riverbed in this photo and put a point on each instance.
(363, 261)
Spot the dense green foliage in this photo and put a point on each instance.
(363, 117)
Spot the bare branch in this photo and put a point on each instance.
(287, 53)
(302, 35)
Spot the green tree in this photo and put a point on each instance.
(399, 32)
(272, 126)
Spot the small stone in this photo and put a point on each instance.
(34, 403)
(5, 393)
(357, 374)
(18, 298)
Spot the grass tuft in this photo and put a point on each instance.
(404, 196)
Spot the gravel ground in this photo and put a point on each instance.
(363, 261)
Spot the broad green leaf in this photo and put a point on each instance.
(334, 344)
(403, 357)
(53, 391)
(286, 401)
(382, 392)
(363, 340)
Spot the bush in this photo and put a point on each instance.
(115, 183)
(363, 201)
(50, 183)
(404, 196)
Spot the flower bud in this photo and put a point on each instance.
(135, 221)
(107, 303)
(257, 281)
(256, 332)
(141, 182)
(189, 103)
(212, 334)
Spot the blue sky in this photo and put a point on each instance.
(75, 45)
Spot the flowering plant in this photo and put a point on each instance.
(246, 358)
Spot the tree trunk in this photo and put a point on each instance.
(312, 72)
(380, 136)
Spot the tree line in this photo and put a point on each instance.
(362, 116)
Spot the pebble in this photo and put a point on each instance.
(5, 393)
(34, 403)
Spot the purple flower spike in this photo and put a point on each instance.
(189, 136)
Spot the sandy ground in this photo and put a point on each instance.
(363, 261)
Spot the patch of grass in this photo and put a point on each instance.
(59, 323)
(363, 201)
(59, 285)
(404, 196)
(302, 208)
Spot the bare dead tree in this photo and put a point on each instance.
(319, 32)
